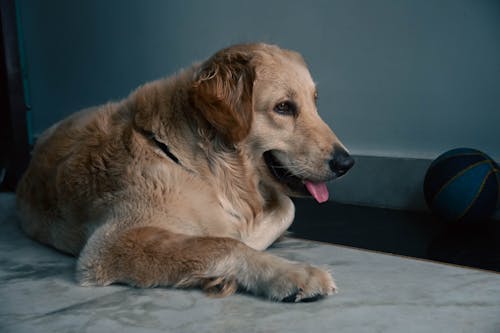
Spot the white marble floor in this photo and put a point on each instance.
(378, 293)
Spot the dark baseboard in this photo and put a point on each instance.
(413, 234)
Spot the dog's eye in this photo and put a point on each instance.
(285, 108)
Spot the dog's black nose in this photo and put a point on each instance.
(341, 162)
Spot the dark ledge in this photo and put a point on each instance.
(419, 235)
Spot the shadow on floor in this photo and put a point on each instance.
(405, 233)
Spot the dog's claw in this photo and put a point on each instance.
(296, 298)
(291, 298)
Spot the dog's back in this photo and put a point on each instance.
(56, 196)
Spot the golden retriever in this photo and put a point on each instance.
(187, 180)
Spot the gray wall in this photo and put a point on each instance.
(396, 78)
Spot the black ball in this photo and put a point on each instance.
(462, 185)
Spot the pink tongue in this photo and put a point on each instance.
(318, 191)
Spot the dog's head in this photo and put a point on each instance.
(263, 97)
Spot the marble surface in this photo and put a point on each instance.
(378, 293)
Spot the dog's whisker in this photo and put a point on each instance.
(292, 170)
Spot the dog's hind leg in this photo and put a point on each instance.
(151, 256)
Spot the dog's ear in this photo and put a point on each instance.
(222, 93)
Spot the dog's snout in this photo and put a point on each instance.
(341, 162)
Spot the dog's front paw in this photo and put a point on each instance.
(302, 283)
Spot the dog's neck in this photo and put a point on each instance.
(162, 112)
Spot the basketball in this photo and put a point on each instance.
(462, 185)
